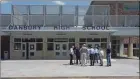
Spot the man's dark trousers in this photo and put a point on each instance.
(77, 59)
(108, 59)
(71, 59)
(92, 59)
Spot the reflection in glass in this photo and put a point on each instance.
(64, 46)
(36, 9)
(82, 10)
(57, 53)
(64, 53)
(68, 9)
(104, 45)
(32, 47)
(51, 9)
(57, 47)
(23, 46)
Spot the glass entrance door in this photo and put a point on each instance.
(61, 50)
(24, 50)
(28, 50)
(32, 50)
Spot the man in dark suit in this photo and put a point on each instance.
(77, 53)
(108, 56)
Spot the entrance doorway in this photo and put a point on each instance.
(61, 50)
(28, 50)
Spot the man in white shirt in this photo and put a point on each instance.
(71, 55)
(101, 55)
(83, 52)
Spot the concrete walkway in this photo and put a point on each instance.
(61, 68)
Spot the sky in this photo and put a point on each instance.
(6, 5)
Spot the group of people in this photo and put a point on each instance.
(93, 53)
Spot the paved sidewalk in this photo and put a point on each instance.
(61, 68)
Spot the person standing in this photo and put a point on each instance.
(108, 56)
(91, 55)
(96, 54)
(77, 53)
(71, 55)
(83, 52)
(101, 55)
(74, 55)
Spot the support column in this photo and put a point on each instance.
(0, 47)
(130, 49)
(121, 47)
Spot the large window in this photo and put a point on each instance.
(39, 44)
(36, 9)
(51, 9)
(50, 46)
(17, 46)
(136, 50)
(68, 9)
(17, 43)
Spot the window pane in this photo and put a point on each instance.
(39, 46)
(50, 39)
(17, 39)
(50, 21)
(82, 10)
(125, 45)
(36, 9)
(19, 9)
(81, 20)
(114, 42)
(136, 52)
(68, 20)
(82, 39)
(64, 46)
(71, 40)
(39, 40)
(24, 39)
(64, 53)
(89, 40)
(50, 46)
(104, 45)
(23, 54)
(57, 53)
(96, 40)
(103, 39)
(32, 40)
(134, 46)
(51, 9)
(31, 53)
(17, 46)
(68, 9)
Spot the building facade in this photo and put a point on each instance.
(48, 31)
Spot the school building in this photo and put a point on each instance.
(48, 31)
